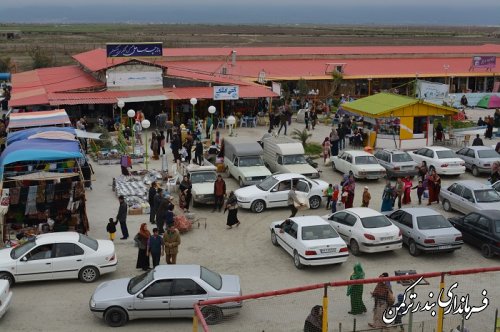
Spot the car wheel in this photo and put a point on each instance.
(88, 274)
(296, 260)
(241, 183)
(412, 246)
(7, 276)
(314, 202)
(333, 167)
(258, 206)
(486, 251)
(354, 246)
(226, 171)
(274, 239)
(447, 205)
(115, 317)
(475, 171)
(212, 314)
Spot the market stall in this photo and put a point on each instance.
(397, 122)
(42, 187)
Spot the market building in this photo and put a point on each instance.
(168, 80)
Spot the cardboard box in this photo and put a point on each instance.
(134, 211)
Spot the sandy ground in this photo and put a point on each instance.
(247, 252)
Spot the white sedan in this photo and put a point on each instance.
(366, 230)
(440, 159)
(63, 255)
(361, 164)
(310, 240)
(273, 192)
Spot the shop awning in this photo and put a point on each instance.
(38, 119)
(384, 105)
(26, 133)
(39, 149)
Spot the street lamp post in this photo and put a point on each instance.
(131, 115)
(145, 124)
(121, 105)
(193, 102)
(211, 110)
(231, 120)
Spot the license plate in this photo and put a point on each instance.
(386, 238)
(324, 251)
(445, 247)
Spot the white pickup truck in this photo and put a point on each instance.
(202, 180)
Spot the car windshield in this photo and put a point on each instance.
(89, 242)
(210, 277)
(200, 177)
(487, 196)
(267, 183)
(294, 159)
(22, 249)
(366, 160)
(445, 154)
(137, 283)
(318, 232)
(375, 222)
(432, 222)
(488, 154)
(251, 161)
(401, 157)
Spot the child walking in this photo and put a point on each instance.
(366, 198)
(420, 191)
(335, 198)
(328, 194)
(111, 228)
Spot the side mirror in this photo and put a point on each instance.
(277, 226)
(140, 296)
(274, 190)
(24, 259)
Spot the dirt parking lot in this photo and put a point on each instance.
(246, 251)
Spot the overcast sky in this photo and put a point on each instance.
(448, 12)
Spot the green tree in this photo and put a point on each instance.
(336, 80)
(301, 135)
(40, 58)
(302, 87)
(6, 65)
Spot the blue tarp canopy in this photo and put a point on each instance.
(39, 149)
(24, 134)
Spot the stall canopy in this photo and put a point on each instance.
(38, 119)
(26, 133)
(384, 105)
(492, 101)
(39, 149)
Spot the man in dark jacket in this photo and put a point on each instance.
(151, 201)
(477, 141)
(198, 152)
(122, 217)
(219, 193)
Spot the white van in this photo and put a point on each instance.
(202, 180)
(286, 155)
(243, 160)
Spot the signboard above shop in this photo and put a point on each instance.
(484, 61)
(230, 92)
(135, 50)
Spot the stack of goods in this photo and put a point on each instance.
(113, 156)
(182, 224)
(135, 192)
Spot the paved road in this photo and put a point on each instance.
(246, 251)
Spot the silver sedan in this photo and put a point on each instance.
(426, 230)
(478, 159)
(166, 291)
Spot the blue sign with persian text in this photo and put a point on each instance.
(134, 50)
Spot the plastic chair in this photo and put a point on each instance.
(243, 122)
(221, 123)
